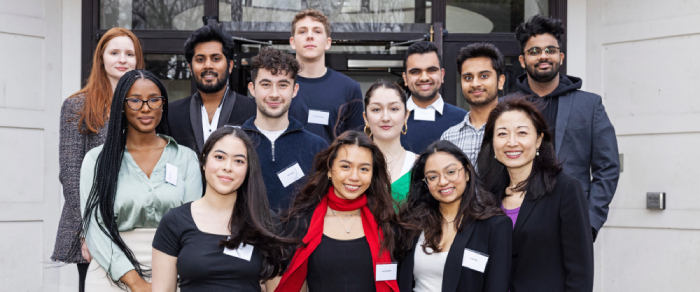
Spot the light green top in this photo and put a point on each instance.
(140, 201)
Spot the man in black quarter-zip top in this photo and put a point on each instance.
(285, 149)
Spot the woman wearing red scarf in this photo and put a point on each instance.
(345, 215)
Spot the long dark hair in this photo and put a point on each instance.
(421, 212)
(104, 184)
(545, 167)
(379, 199)
(251, 221)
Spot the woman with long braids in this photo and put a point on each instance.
(385, 120)
(344, 215)
(552, 240)
(454, 238)
(83, 119)
(227, 240)
(130, 182)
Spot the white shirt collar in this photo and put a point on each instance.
(437, 105)
(208, 128)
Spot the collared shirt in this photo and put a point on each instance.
(466, 137)
(207, 127)
(140, 201)
(437, 105)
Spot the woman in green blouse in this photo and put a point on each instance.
(385, 120)
(130, 182)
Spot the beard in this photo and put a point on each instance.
(221, 81)
(270, 114)
(490, 96)
(542, 76)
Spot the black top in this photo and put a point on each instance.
(201, 263)
(341, 266)
(491, 237)
(185, 117)
(552, 244)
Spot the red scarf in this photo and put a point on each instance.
(294, 277)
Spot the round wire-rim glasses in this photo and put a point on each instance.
(432, 180)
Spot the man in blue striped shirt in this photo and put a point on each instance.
(482, 69)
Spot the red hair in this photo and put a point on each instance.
(98, 90)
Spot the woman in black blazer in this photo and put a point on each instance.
(552, 242)
(452, 238)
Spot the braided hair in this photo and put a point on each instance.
(104, 185)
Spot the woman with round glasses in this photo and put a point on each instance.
(130, 182)
(453, 238)
(552, 240)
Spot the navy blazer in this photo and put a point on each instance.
(586, 144)
(491, 237)
(552, 242)
(185, 117)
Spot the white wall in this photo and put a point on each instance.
(641, 57)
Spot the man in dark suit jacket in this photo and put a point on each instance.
(584, 138)
(209, 53)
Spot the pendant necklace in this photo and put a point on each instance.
(345, 219)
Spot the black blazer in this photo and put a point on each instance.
(552, 241)
(185, 117)
(492, 237)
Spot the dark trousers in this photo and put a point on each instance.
(82, 273)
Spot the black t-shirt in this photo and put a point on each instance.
(341, 265)
(201, 263)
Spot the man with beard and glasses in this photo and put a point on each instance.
(430, 115)
(482, 70)
(209, 53)
(285, 149)
(584, 138)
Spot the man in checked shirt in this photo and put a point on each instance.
(482, 70)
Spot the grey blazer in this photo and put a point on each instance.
(586, 146)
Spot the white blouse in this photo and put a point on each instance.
(428, 268)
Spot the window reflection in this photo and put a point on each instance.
(151, 14)
(172, 70)
(344, 15)
(489, 16)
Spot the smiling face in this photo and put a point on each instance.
(543, 67)
(273, 93)
(351, 171)
(226, 166)
(209, 67)
(310, 40)
(146, 119)
(442, 166)
(119, 57)
(423, 75)
(385, 114)
(480, 82)
(515, 140)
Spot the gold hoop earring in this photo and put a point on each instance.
(365, 130)
(405, 128)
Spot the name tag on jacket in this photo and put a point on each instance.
(474, 260)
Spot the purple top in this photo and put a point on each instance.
(513, 213)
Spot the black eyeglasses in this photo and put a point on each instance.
(536, 51)
(137, 103)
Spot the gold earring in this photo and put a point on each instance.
(405, 128)
(365, 130)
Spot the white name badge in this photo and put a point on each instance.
(386, 272)
(424, 114)
(290, 174)
(474, 260)
(242, 252)
(318, 117)
(171, 174)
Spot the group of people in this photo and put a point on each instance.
(309, 186)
